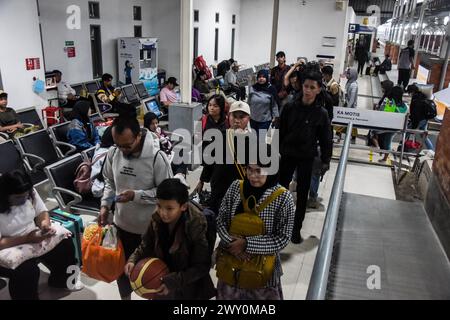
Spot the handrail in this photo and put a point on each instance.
(319, 278)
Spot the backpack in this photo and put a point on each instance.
(83, 182)
(256, 272)
(429, 109)
(210, 216)
(201, 65)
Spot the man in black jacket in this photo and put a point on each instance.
(303, 123)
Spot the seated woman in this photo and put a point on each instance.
(98, 160)
(259, 193)
(151, 123)
(24, 219)
(82, 132)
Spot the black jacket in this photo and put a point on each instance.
(221, 175)
(361, 54)
(417, 109)
(301, 127)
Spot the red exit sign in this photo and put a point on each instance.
(33, 63)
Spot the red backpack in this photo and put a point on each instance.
(201, 65)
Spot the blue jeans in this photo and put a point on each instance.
(314, 188)
(258, 126)
(423, 125)
(386, 140)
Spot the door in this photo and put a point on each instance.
(233, 34)
(96, 49)
(195, 43)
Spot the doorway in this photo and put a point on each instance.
(233, 34)
(96, 50)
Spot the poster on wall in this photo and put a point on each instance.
(138, 62)
(71, 52)
(329, 42)
(33, 63)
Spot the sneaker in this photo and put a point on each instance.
(313, 203)
(296, 238)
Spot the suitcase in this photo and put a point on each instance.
(368, 70)
(72, 223)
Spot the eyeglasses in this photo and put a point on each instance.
(254, 172)
(127, 146)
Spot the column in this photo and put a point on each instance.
(186, 48)
(276, 13)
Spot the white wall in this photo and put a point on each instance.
(116, 20)
(19, 34)
(165, 25)
(300, 30)
(255, 32)
(207, 25)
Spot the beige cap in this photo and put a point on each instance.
(3, 93)
(240, 106)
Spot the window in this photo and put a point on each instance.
(217, 17)
(234, 19)
(94, 10)
(195, 43)
(137, 31)
(137, 13)
(196, 15)
(216, 45)
(233, 34)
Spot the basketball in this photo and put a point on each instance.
(146, 277)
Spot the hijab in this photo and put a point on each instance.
(258, 192)
(266, 87)
(80, 112)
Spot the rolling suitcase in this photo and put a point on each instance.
(72, 223)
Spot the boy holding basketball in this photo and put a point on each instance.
(177, 236)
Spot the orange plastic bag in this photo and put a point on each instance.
(101, 263)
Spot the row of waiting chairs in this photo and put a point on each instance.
(31, 153)
(134, 94)
(131, 92)
(38, 155)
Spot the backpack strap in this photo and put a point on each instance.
(81, 165)
(204, 120)
(230, 142)
(262, 206)
(270, 199)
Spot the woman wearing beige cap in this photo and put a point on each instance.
(221, 175)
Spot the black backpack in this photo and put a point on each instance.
(429, 109)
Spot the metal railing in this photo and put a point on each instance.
(319, 278)
(405, 135)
